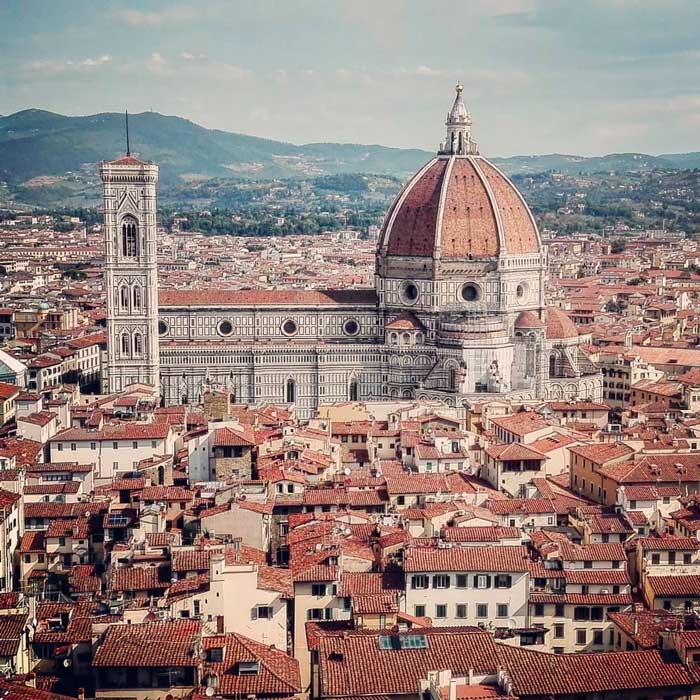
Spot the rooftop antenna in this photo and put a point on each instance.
(128, 147)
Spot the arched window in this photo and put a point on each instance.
(137, 298)
(290, 392)
(124, 298)
(129, 237)
(353, 391)
(125, 344)
(138, 345)
(406, 338)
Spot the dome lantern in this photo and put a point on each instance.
(459, 129)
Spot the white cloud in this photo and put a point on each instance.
(92, 62)
(53, 66)
(140, 18)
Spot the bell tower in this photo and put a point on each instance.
(131, 271)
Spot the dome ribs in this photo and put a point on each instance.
(468, 223)
(413, 229)
(519, 230)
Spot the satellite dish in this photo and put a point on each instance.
(209, 692)
(67, 663)
(87, 513)
(347, 471)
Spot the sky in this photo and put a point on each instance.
(585, 77)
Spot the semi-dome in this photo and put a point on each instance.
(459, 205)
(528, 320)
(559, 325)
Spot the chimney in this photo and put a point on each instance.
(81, 693)
(453, 688)
(636, 626)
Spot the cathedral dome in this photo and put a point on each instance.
(459, 205)
(559, 325)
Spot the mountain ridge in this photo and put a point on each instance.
(36, 143)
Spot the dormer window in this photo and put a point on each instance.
(248, 668)
(215, 655)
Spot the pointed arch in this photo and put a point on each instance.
(123, 297)
(138, 344)
(353, 390)
(290, 390)
(137, 297)
(129, 237)
(124, 344)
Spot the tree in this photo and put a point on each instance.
(617, 246)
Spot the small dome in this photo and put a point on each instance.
(528, 320)
(559, 325)
(462, 206)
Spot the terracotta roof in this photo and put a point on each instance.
(495, 558)
(243, 436)
(521, 423)
(463, 206)
(262, 297)
(345, 657)
(7, 391)
(527, 320)
(539, 674)
(559, 325)
(674, 586)
(149, 644)
(11, 631)
(118, 431)
(277, 675)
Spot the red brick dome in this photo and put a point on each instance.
(559, 325)
(528, 320)
(460, 207)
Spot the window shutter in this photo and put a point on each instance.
(254, 613)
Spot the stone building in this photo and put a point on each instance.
(457, 311)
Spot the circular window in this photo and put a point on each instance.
(409, 293)
(521, 291)
(351, 327)
(289, 327)
(225, 328)
(470, 292)
(162, 327)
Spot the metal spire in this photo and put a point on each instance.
(128, 147)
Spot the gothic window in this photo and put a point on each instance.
(137, 298)
(124, 298)
(138, 345)
(129, 237)
(290, 391)
(353, 392)
(125, 344)
(530, 359)
(452, 380)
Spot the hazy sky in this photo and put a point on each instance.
(540, 76)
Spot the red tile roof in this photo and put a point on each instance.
(149, 644)
(495, 558)
(262, 297)
(345, 658)
(278, 673)
(539, 674)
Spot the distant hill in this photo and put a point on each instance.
(52, 155)
(37, 143)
